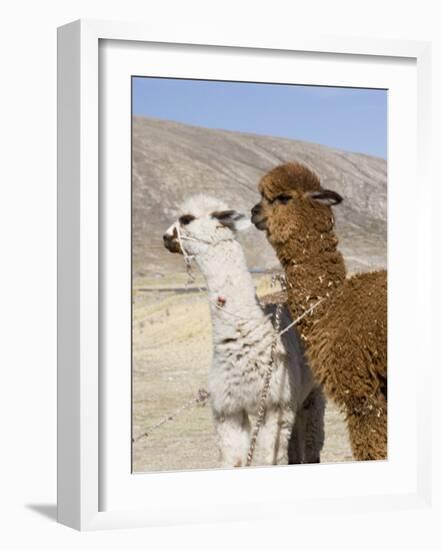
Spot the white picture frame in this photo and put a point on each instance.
(80, 392)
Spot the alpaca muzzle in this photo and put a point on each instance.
(258, 219)
(170, 241)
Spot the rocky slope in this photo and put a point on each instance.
(172, 161)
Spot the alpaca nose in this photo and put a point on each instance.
(168, 241)
(256, 209)
(169, 237)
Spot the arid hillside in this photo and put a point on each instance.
(172, 161)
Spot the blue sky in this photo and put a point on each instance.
(346, 118)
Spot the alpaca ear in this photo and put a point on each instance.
(236, 221)
(326, 196)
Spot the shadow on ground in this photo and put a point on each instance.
(48, 511)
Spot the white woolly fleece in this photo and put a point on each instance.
(242, 338)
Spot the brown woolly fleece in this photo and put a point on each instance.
(346, 335)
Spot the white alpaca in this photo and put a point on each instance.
(243, 334)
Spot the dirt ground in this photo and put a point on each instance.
(171, 361)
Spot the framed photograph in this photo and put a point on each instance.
(228, 212)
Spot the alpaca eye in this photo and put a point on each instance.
(283, 199)
(186, 219)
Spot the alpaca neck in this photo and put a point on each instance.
(314, 268)
(229, 283)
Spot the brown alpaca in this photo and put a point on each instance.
(346, 334)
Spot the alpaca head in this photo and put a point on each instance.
(293, 204)
(203, 221)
